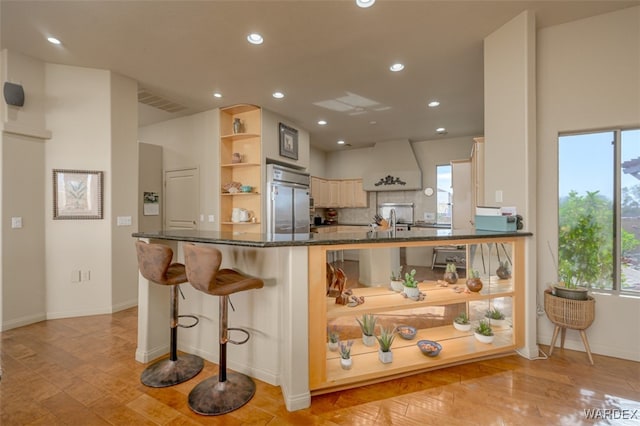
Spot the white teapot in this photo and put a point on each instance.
(239, 214)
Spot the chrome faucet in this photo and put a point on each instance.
(392, 222)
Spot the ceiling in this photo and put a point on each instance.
(316, 52)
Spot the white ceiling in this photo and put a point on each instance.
(314, 51)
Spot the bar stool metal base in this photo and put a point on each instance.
(211, 397)
(168, 373)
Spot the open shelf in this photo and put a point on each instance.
(239, 136)
(381, 299)
(457, 346)
(240, 165)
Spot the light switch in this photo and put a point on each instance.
(123, 220)
(499, 196)
(16, 222)
(211, 218)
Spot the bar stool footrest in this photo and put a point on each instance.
(212, 398)
(242, 342)
(193, 317)
(165, 372)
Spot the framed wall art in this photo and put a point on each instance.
(77, 194)
(288, 141)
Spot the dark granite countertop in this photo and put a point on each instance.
(331, 238)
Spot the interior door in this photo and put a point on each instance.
(182, 198)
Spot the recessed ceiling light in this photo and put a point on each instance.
(278, 95)
(396, 67)
(53, 40)
(255, 38)
(217, 95)
(373, 122)
(441, 130)
(322, 122)
(433, 104)
(340, 142)
(365, 3)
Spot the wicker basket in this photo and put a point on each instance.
(573, 314)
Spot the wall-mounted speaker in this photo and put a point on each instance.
(13, 94)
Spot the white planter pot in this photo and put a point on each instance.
(412, 291)
(396, 285)
(483, 339)
(346, 363)
(368, 340)
(385, 357)
(498, 323)
(333, 347)
(462, 327)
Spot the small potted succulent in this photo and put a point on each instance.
(450, 273)
(385, 339)
(504, 270)
(410, 284)
(495, 317)
(334, 338)
(368, 327)
(396, 280)
(474, 283)
(461, 322)
(345, 354)
(483, 332)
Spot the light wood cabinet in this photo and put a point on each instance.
(432, 317)
(246, 141)
(338, 193)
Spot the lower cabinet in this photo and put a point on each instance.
(431, 315)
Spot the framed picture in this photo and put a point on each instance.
(77, 194)
(288, 142)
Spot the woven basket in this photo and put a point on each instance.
(569, 313)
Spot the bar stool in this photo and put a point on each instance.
(154, 262)
(225, 392)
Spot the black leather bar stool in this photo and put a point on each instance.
(154, 262)
(225, 392)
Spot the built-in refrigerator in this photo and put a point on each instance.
(287, 200)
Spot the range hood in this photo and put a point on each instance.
(393, 167)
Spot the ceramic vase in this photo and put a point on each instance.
(368, 340)
(345, 363)
(396, 285)
(412, 291)
(385, 357)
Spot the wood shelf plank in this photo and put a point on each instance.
(381, 299)
(240, 165)
(239, 136)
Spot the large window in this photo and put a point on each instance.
(443, 194)
(599, 210)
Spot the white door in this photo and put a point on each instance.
(461, 195)
(182, 198)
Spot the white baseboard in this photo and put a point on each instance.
(22, 321)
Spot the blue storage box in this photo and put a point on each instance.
(496, 223)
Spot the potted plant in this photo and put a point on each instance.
(483, 332)
(345, 354)
(368, 327)
(334, 338)
(461, 322)
(385, 339)
(474, 283)
(410, 284)
(450, 273)
(504, 270)
(396, 280)
(495, 317)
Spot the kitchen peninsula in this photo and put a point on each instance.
(288, 318)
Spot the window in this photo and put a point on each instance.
(443, 194)
(599, 210)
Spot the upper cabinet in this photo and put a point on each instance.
(241, 163)
(477, 171)
(338, 193)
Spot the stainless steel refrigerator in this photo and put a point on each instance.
(287, 200)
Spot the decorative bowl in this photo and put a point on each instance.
(246, 188)
(429, 347)
(406, 332)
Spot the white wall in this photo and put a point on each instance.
(271, 141)
(588, 79)
(188, 142)
(149, 180)
(124, 180)
(317, 162)
(510, 139)
(22, 279)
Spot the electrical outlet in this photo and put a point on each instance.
(211, 218)
(16, 222)
(201, 218)
(123, 221)
(499, 196)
